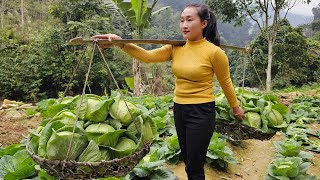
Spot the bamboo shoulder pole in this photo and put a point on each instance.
(80, 41)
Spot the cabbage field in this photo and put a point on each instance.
(105, 130)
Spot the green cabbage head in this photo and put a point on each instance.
(96, 108)
(99, 128)
(252, 119)
(274, 118)
(119, 111)
(125, 144)
(58, 145)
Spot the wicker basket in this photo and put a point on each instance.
(237, 131)
(75, 170)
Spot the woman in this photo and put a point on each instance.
(194, 65)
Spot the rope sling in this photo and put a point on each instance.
(120, 167)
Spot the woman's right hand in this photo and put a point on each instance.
(109, 37)
(238, 113)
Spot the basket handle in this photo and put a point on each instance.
(117, 85)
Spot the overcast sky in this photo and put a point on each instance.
(305, 9)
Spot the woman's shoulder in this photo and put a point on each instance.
(213, 49)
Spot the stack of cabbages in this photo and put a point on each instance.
(105, 129)
(262, 111)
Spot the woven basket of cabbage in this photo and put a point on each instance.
(238, 131)
(87, 170)
(103, 141)
(264, 116)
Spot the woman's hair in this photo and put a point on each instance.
(211, 31)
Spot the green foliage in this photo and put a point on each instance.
(292, 148)
(305, 109)
(316, 36)
(172, 153)
(218, 151)
(17, 166)
(19, 73)
(40, 64)
(228, 10)
(294, 62)
(11, 149)
(288, 168)
(150, 167)
(15, 163)
(315, 25)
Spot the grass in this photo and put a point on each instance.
(305, 89)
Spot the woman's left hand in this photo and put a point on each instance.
(238, 112)
(109, 37)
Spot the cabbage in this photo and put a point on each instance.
(91, 153)
(173, 143)
(147, 132)
(125, 144)
(58, 145)
(147, 129)
(97, 108)
(252, 119)
(124, 147)
(288, 168)
(103, 134)
(119, 111)
(99, 128)
(65, 116)
(45, 136)
(274, 118)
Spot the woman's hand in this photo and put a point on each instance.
(109, 37)
(238, 112)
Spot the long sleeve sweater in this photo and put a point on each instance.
(194, 65)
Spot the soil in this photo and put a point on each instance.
(286, 98)
(254, 156)
(14, 125)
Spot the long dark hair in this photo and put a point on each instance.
(211, 31)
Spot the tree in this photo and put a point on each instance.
(3, 7)
(266, 14)
(294, 62)
(22, 12)
(159, 75)
(138, 13)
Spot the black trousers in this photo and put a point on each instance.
(195, 125)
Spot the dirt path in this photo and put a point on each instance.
(253, 156)
(14, 126)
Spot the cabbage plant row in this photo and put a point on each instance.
(104, 130)
(291, 161)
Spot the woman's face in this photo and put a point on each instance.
(191, 25)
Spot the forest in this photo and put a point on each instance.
(47, 94)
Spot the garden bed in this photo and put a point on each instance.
(253, 156)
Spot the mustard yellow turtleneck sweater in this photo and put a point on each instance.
(194, 65)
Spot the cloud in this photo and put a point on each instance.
(304, 9)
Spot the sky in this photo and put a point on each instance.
(305, 9)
